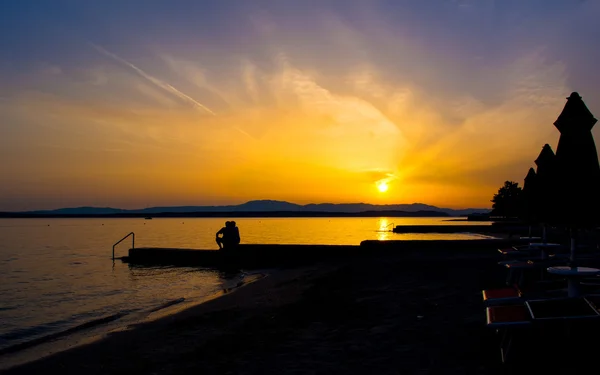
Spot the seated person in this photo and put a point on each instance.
(230, 236)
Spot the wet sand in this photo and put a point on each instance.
(373, 315)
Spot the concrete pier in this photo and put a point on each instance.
(265, 256)
(480, 229)
(247, 256)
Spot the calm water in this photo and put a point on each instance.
(56, 274)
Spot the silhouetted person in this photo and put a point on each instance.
(230, 236)
(236, 233)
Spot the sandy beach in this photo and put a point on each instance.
(369, 315)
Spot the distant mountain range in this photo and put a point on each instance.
(258, 208)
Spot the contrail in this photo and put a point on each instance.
(243, 132)
(163, 85)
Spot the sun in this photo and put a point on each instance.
(382, 186)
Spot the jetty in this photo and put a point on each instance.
(492, 229)
(256, 256)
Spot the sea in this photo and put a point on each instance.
(57, 275)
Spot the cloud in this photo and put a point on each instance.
(97, 76)
(50, 70)
(249, 79)
(446, 105)
(152, 93)
(159, 83)
(194, 73)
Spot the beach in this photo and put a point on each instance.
(386, 314)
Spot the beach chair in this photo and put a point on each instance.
(590, 285)
(594, 301)
(565, 324)
(509, 322)
(560, 309)
(526, 272)
(516, 271)
(523, 286)
(502, 296)
(516, 252)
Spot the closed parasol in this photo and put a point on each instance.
(577, 169)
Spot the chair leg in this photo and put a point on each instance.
(573, 288)
(506, 340)
(509, 277)
(521, 278)
(506, 344)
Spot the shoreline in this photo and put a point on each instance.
(376, 314)
(389, 313)
(99, 329)
(226, 299)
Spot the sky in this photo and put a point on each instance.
(139, 103)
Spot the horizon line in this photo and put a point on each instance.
(239, 204)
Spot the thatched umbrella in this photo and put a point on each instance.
(577, 168)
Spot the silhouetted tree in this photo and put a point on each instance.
(508, 200)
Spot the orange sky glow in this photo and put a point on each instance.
(286, 114)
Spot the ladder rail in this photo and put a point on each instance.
(123, 239)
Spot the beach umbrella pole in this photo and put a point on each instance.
(573, 244)
(544, 234)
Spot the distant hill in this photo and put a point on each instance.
(79, 211)
(263, 207)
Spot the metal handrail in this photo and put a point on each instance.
(123, 239)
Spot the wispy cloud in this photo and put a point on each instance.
(163, 85)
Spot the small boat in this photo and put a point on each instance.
(148, 218)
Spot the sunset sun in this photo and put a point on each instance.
(382, 187)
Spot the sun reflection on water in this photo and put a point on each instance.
(385, 229)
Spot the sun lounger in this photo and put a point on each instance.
(504, 316)
(508, 321)
(561, 308)
(516, 271)
(526, 272)
(516, 294)
(594, 301)
(501, 296)
(563, 319)
(517, 251)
